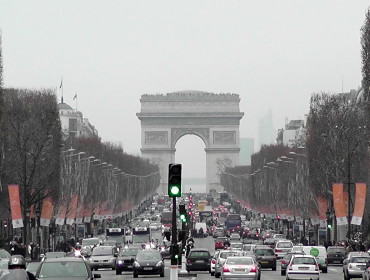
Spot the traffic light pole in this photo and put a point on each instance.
(174, 251)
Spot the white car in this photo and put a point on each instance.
(303, 267)
(282, 247)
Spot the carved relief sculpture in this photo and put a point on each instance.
(156, 137)
(224, 137)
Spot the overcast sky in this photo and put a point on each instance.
(274, 54)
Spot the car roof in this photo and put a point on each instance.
(66, 259)
(305, 256)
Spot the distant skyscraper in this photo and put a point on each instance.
(246, 151)
(267, 134)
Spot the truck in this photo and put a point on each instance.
(116, 234)
(141, 235)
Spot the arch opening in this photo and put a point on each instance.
(190, 153)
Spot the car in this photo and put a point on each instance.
(92, 242)
(286, 259)
(336, 254)
(219, 242)
(103, 257)
(241, 267)
(213, 262)
(235, 246)
(355, 266)
(224, 254)
(303, 267)
(265, 256)
(319, 252)
(270, 242)
(125, 260)
(282, 247)
(218, 232)
(148, 262)
(366, 273)
(4, 255)
(67, 268)
(199, 259)
(32, 267)
(355, 253)
(278, 236)
(234, 236)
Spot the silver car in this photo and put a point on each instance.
(240, 267)
(355, 266)
(103, 257)
(222, 256)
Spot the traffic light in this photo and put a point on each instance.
(183, 213)
(174, 180)
(329, 225)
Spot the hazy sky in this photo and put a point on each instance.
(274, 54)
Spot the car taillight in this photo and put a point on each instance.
(238, 226)
(316, 267)
(213, 261)
(283, 262)
(350, 266)
(225, 268)
(253, 269)
(291, 267)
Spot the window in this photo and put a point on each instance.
(304, 260)
(264, 252)
(63, 269)
(238, 261)
(199, 254)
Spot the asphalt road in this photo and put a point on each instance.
(334, 272)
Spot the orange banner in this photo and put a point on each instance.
(322, 204)
(87, 213)
(15, 206)
(61, 215)
(358, 211)
(32, 210)
(339, 206)
(80, 214)
(72, 210)
(46, 212)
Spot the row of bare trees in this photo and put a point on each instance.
(34, 156)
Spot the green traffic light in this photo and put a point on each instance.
(176, 256)
(329, 226)
(182, 217)
(175, 190)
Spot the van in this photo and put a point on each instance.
(319, 252)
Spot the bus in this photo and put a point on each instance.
(116, 234)
(233, 222)
(141, 235)
(166, 219)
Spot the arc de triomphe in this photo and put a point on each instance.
(215, 118)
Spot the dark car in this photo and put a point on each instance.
(265, 256)
(336, 254)
(68, 268)
(148, 262)
(270, 242)
(286, 260)
(199, 259)
(125, 260)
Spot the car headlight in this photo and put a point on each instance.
(136, 264)
(160, 263)
(119, 262)
(112, 259)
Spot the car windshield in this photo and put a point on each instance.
(360, 260)
(284, 245)
(199, 254)
(336, 250)
(224, 255)
(264, 252)
(63, 269)
(303, 260)
(4, 264)
(128, 253)
(102, 251)
(148, 255)
(4, 254)
(239, 261)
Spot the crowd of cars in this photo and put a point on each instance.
(297, 261)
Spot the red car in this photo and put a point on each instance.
(219, 242)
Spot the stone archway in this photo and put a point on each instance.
(215, 118)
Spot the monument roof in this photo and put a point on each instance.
(64, 106)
